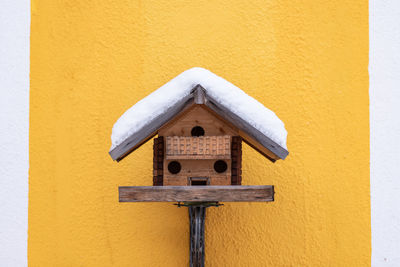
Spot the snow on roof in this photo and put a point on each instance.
(223, 92)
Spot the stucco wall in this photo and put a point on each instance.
(14, 118)
(384, 69)
(307, 61)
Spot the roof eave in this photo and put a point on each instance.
(135, 140)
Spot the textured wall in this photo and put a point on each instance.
(14, 127)
(306, 60)
(385, 131)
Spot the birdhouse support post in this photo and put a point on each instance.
(197, 218)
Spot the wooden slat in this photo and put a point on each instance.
(236, 165)
(202, 147)
(158, 161)
(237, 193)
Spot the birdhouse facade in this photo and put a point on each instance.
(197, 148)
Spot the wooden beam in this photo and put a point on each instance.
(229, 193)
(199, 94)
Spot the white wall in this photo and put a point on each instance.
(384, 69)
(14, 126)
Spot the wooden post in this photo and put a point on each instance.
(197, 216)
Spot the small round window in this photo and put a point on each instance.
(197, 131)
(174, 167)
(220, 166)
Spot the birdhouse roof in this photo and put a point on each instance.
(257, 125)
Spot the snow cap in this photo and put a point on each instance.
(223, 92)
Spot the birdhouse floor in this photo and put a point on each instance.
(229, 193)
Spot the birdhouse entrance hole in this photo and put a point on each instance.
(197, 131)
(220, 166)
(199, 181)
(174, 167)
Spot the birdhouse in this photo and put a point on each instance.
(200, 121)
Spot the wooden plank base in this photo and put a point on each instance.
(229, 193)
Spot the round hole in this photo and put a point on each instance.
(220, 166)
(174, 167)
(197, 131)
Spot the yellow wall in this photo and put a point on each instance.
(306, 60)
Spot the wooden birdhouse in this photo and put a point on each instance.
(198, 121)
(200, 132)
